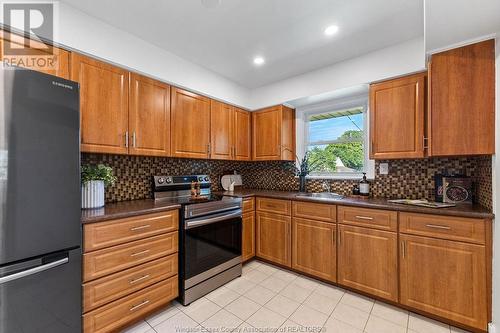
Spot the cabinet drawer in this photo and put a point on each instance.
(248, 205)
(123, 311)
(370, 218)
(275, 206)
(115, 286)
(120, 257)
(448, 227)
(105, 234)
(315, 211)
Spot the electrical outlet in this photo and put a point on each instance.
(384, 168)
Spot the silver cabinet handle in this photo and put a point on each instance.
(364, 217)
(424, 140)
(140, 227)
(135, 307)
(437, 226)
(139, 253)
(133, 139)
(139, 279)
(126, 139)
(208, 149)
(33, 270)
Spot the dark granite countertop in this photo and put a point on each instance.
(475, 211)
(125, 209)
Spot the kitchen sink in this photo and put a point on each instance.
(321, 196)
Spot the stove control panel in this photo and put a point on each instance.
(166, 181)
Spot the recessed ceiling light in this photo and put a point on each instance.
(258, 61)
(331, 30)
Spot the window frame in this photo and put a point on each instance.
(333, 106)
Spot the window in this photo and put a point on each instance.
(336, 142)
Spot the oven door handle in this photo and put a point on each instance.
(209, 220)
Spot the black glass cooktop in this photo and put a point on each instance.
(188, 200)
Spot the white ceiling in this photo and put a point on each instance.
(225, 35)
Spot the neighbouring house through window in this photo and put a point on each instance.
(337, 142)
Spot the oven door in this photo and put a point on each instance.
(212, 244)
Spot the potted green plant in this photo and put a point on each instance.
(303, 168)
(94, 179)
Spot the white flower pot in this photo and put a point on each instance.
(93, 194)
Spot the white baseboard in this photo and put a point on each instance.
(492, 328)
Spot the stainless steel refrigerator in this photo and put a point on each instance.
(40, 233)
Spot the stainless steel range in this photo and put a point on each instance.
(209, 234)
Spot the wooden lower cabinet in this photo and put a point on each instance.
(313, 248)
(110, 260)
(445, 278)
(127, 277)
(112, 287)
(117, 314)
(248, 236)
(273, 238)
(368, 261)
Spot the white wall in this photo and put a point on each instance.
(451, 22)
(84, 33)
(393, 61)
(80, 31)
(496, 198)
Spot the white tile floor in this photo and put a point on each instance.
(268, 299)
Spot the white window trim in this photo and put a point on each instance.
(302, 115)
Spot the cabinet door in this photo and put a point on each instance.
(462, 101)
(248, 237)
(367, 261)
(287, 134)
(53, 61)
(149, 116)
(103, 105)
(397, 118)
(242, 135)
(273, 238)
(267, 134)
(445, 278)
(221, 131)
(314, 248)
(190, 127)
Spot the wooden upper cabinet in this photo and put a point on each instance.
(53, 61)
(190, 127)
(462, 101)
(368, 261)
(242, 135)
(445, 278)
(103, 105)
(274, 134)
(221, 131)
(149, 116)
(397, 110)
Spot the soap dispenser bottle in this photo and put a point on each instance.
(364, 186)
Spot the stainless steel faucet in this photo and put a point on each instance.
(326, 186)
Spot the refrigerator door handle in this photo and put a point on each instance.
(33, 270)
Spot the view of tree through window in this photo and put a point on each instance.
(336, 141)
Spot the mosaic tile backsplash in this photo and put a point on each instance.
(406, 179)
